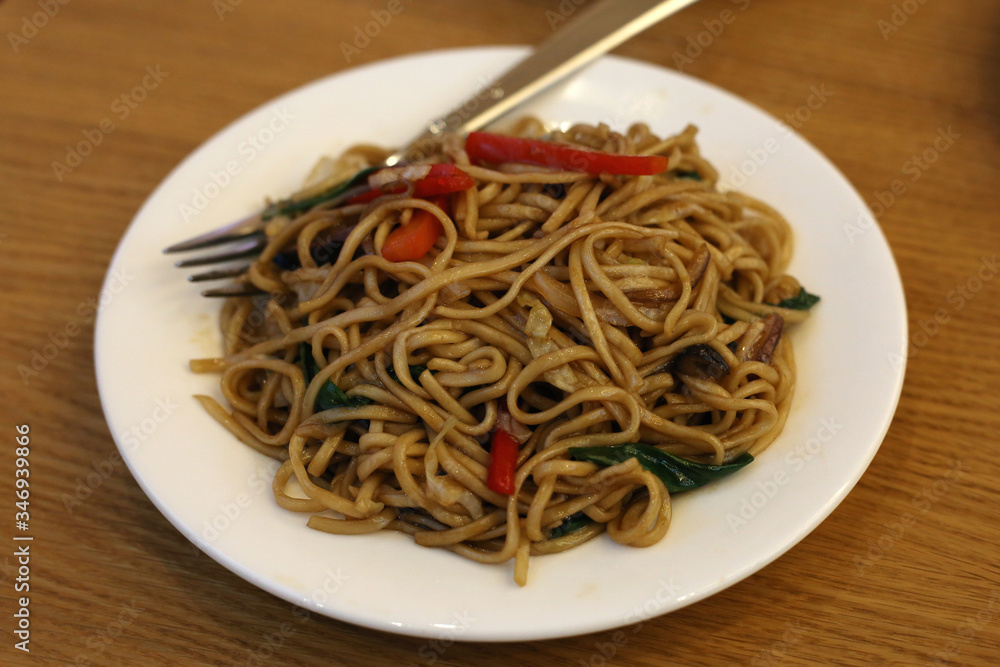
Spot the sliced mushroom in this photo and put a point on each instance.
(763, 347)
(701, 361)
(655, 297)
(696, 267)
(562, 297)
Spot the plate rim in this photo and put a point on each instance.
(281, 591)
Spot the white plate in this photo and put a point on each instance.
(216, 490)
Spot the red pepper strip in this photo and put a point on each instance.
(503, 462)
(442, 179)
(410, 242)
(486, 147)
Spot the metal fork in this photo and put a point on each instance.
(598, 29)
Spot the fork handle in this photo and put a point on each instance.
(598, 29)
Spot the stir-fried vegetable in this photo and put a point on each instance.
(503, 462)
(322, 251)
(413, 240)
(415, 371)
(486, 147)
(289, 206)
(701, 361)
(330, 395)
(427, 180)
(801, 301)
(570, 524)
(538, 327)
(677, 473)
(766, 343)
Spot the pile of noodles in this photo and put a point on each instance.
(555, 305)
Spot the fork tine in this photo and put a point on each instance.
(219, 273)
(252, 245)
(240, 229)
(234, 290)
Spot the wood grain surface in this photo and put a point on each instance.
(113, 583)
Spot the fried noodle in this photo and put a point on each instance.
(555, 305)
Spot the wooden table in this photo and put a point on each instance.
(112, 582)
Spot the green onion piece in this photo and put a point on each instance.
(330, 395)
(415, 371)
(570, 524)
(801, 301)
(678, 474)
(289, 206)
